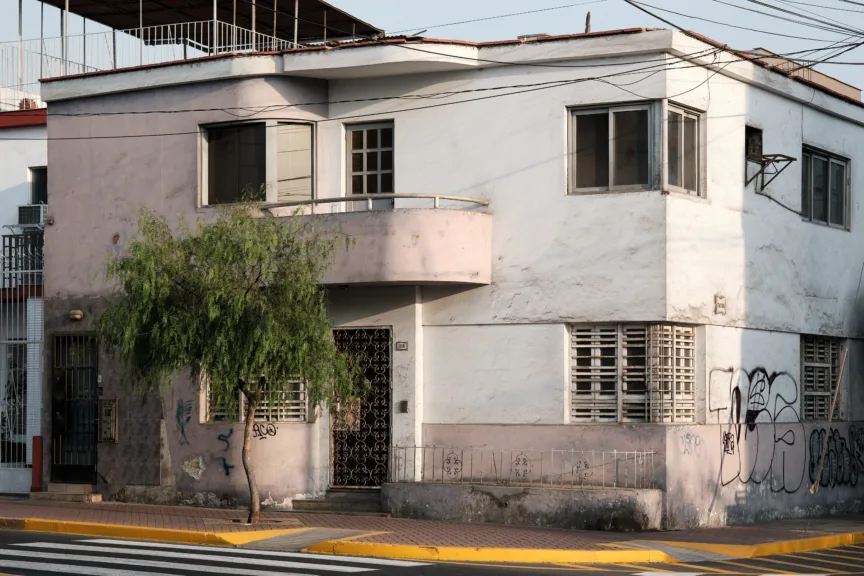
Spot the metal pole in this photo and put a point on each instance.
(20, 46)
(325, 26)
(41, 38)
(64, 24)
(253, 25)
(215, 32)
(113, 48)
(296, 19)
(234, 28)
(274, 23)
(84, 40)
(141, 30)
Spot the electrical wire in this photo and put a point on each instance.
(828, 22)
(497, 17)
(832, 29)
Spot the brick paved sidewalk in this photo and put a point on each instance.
(416, 532)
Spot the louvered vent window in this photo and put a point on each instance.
(632, 373)
(820, 367)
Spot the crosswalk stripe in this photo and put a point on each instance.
(69, 569)
(144, 563)
(186, 556)
(240, 551)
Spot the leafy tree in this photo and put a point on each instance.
(236, 302)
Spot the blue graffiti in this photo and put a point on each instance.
(225, 466)
(184, 415)
(224, 438)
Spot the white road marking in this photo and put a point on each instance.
(240, 551)
(184, 556)
(69, 569)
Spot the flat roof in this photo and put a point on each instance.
(124, 15)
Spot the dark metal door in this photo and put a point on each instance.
(361, 432)
(74, 402)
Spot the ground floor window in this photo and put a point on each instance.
(632, 373)
(820, 368)
(286, 405)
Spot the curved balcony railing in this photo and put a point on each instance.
(370, 198)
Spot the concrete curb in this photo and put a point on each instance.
(772, 548)
(507, 555)
(141, 532)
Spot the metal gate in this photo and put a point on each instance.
(361, 431)
(74, 402)
(21, 329)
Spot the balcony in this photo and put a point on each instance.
(446, 241)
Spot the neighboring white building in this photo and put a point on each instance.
(602, 301)
(23, 184)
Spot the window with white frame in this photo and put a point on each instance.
(632, 373)
(820, 368)
(682, 150)
(610, 148)
(824, 188)
(370, 158)
(270, 161)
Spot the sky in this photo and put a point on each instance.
(568, 16)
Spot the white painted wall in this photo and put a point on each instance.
(16, 159)
(502, 374)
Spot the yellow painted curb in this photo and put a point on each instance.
(773, 548)
(510, 555)
(140, 532)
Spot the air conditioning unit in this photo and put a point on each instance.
(32, 215)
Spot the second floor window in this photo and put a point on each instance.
(824, 188)
(682, 137)
(610, 149)
(370, 150)
(268, 161)
(39, 185)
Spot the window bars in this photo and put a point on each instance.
(633, 373)
(820, 366)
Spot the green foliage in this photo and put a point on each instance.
(238, 299)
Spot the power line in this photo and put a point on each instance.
(832, 29)
(828, 22)
(823, 6)
(497, 17)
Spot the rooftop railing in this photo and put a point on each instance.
(24, 63)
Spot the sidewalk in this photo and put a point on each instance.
(420, 539)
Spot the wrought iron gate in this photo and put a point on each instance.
(74, 409)
(361, 432)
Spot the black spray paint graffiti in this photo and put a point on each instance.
(773, 452)
(226, 438)
(264, 431)
(184, 415)
(844, 459)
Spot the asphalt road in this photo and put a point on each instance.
(30, 553)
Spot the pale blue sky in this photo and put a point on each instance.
(395, 15)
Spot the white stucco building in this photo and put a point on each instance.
(566, 265)
(23, 194)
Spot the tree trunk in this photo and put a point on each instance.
(254, 498)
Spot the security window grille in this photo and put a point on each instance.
(824, 193)
(683, 150)
(285, 406)
(820, 367)
(370, 149)
(632, 373)
(610, 148)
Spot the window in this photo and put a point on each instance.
(820, 368)
(39, 185)
(287, 406)
(824, 188)
(237, 163)
(752, 141)
(610, 149)
(682, 139)
(268, 161)
(632, 373)
(370, 150)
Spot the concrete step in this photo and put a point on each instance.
(354, 494)
(66, 497)
(71, 488)
(336, 505)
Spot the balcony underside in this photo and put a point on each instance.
(411, 247)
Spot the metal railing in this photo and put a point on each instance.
(23, 64)
(370, 200)
(552, 468)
